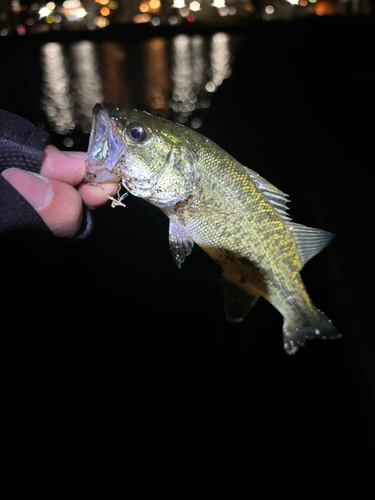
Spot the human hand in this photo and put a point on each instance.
(57, 193)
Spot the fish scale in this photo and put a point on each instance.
(238, 218)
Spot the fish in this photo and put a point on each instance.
(236, 216)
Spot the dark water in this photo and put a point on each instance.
(120, 350)
(175, 77)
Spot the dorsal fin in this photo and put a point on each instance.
(277, 198)
(309, 241)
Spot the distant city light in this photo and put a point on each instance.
(21, 30)
(141, 18)
(195, 6)
(101, 22)
(223, 11)
(270, 9)
(154, 4)
(179, 4)
(73, 10)
(249, 7)
(81, 12)
(44, 12)
(324, 8)
(16, 7)
(218, 4)
(71, 4)
(64, 14)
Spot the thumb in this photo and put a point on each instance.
(58, 203)
(33, 187)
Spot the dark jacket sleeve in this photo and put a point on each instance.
(22, 146)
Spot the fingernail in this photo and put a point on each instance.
(74, 154)
(113, 191)
(33, 187)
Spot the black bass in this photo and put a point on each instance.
(232, 213)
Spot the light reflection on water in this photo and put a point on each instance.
(172, 78)
(156, 76)
(71, 83)
(112, 69)
(188, 75)
(56, 102)
(86, 82)
(220, 59)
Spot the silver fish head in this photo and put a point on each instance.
(150, 156)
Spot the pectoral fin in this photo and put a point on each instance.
(237, 301)
(179, 243)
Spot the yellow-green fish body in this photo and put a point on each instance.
(237, 217)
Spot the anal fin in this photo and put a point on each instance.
(237, 301)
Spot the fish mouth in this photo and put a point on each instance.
(106, 148)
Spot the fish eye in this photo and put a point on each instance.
(137, 132)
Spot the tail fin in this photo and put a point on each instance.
(295, 335)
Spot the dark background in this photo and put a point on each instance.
(121, 369)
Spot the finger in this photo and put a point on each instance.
(69, 167)
(58, 203)
(63, 215)
(62, 167)
(96, 196)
